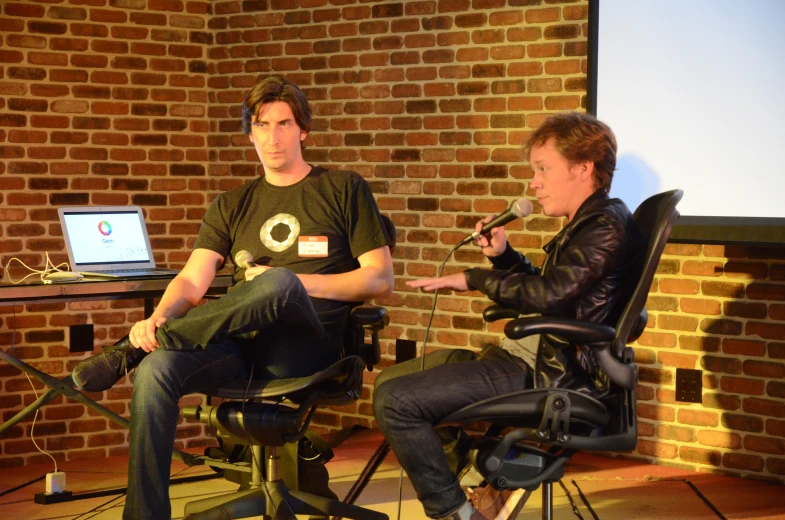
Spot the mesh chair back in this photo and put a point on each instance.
(655, 217)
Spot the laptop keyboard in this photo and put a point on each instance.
(121, 271)
(118, 273)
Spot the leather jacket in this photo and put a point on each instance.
(590, 270)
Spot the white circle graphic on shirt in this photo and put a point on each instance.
(274, 233)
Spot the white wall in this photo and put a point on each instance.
(695, 92)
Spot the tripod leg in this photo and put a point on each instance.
(368, 471)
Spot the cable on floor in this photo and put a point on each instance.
(21, 486)
(585, 500)
(705, 500)
(575, 510)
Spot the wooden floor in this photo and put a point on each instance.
(611, 489)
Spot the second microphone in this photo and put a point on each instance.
(519, 208)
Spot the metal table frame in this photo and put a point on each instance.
(84, 290)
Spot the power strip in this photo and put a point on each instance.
(55, 489)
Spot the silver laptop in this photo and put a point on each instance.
(109, 241)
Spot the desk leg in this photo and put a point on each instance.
(149, 307)
(66, 388)
(35, 405)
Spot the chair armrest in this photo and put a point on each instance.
(368, 315)
(368, 318)
(497, 312)
(575, 331)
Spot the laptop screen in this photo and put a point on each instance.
(97, 237)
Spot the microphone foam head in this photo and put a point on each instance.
(242, 258)
(522, 207)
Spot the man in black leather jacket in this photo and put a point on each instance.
(586, 275)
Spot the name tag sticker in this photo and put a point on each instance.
(312, 247)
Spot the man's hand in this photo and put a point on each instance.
(455, 281)
(496, 244)
(253, 272)
(142, 334)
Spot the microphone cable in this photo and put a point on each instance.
(422, 352)
(433, 307)
(520, 208)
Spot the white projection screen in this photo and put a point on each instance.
(695, 92)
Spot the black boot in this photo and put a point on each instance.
(102, 371)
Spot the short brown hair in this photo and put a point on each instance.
(273, 89)
(580, 137)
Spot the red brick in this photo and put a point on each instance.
(24, 9)
(657, 449)
(743, 347)
(105, 439)
(740, 385)
(675, 433)
(764, 444)
(757, 406)
(760, 291)
(700, 456)
(698, 417)
(765, 330)
(672, 322)
(671, 359)
(742, 461)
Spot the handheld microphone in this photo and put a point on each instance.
(243, 259)
(520, 208)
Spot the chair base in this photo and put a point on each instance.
(547, 500)
(276, 502)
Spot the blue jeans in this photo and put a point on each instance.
(408, 403)
(269, 320)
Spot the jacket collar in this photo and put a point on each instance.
(596, 199)
(592, 203)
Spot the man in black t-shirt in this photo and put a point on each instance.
(318, 244)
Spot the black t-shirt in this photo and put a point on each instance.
(330, 211)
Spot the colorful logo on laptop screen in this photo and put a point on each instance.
(104, 228)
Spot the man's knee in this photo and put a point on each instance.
(156, 370)
(432, 359)
(278, 283)
(380, 397)
(390, 400)
(278, 278)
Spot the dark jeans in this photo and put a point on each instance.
(269, 319)
(408, 403)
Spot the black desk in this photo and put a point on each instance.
(86, 289)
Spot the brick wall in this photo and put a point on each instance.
(716, 309)
(138, 101)
(101, 102)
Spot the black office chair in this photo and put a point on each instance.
(567, 421)
(276, 419)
